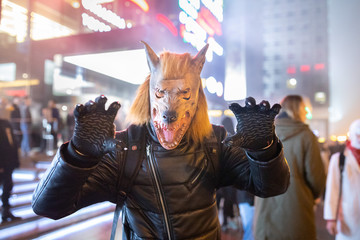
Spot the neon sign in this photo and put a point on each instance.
(201, 23)
(103, 13)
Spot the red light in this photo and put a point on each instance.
(167, 23)
(305, 68)
(319, 66)
(291, 70)
(204, 25)
(206, 17)
(18, 93)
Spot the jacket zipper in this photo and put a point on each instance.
(200, 172)
(152, 165)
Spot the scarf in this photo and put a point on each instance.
(355, 152)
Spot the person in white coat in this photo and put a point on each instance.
(342, 206)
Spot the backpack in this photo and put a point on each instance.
(135, 136)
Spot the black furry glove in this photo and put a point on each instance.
(255, 129)
(94, 128)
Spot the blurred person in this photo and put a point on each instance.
(70, 123)
(227, 194)
(26, 125)
(4, 108)
(342, 197)
(15, 119)
(291, 215)
(9, 160)
(51, 114)
(243, 199)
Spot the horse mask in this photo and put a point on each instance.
(174, 93)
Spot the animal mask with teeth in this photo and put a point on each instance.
(176, 101)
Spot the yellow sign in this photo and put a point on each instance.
(19, 83)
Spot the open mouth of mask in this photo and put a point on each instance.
(171, 134)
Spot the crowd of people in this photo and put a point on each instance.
(332, 179)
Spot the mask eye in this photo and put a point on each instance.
(186, 94)
(159, 93)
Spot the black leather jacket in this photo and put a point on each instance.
(173, 196)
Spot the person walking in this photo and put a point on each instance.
(8, 162)
(15, 119)
(342, 197)
(26, 124)
(291, 215)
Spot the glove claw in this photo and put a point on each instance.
(114, 107)
(276, 108)
(100, 102)
(264, 105)
(235, 108)
(250, 102)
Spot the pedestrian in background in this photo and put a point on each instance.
(228, 194)
(9, 160)
(15, 119)
(342, 197)
(26, 125)
(291, 215)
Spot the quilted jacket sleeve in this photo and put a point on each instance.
(264, 174)
(66, 188)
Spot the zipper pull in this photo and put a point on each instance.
(148, 150)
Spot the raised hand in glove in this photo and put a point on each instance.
(94, 128)
(255, 128)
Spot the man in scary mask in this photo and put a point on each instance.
(184, 159)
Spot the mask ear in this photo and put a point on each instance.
(152, 58)
(199, 60)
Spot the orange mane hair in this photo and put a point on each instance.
(173, 66)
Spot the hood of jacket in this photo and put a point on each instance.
(286, 127)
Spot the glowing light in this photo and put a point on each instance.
(216, 8)
(167, 23)
(291, 70)
(319, 66)
(142, 4)
(7, 72)
(333, 138)
(228, 112)
(104, 13)
(304, 68)
(201, 23)
(235, 83)
(320, 97)
(321, 139)
(341, 138)
(20, 83)
(14, 22)
(308, 113)
(94, 24)
(75, 4)
(291, 83)
(215, 47)
(187, 7)
(215, 113)
(214, 86)
(114, 64)
(219, 89)
(211, 84)
(206, 15)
